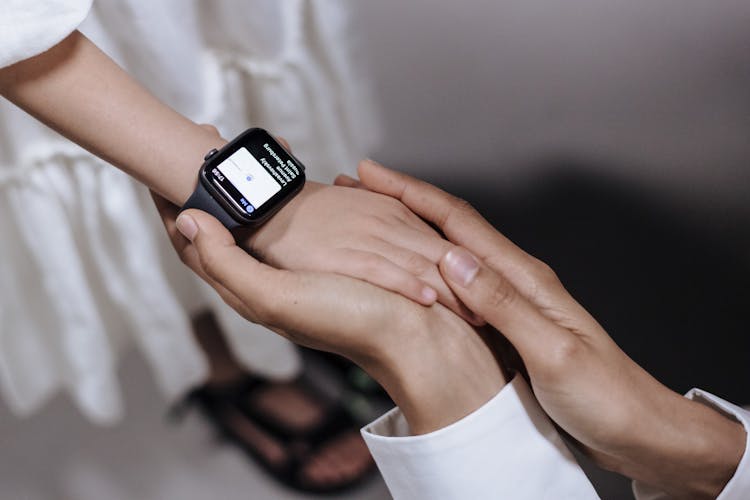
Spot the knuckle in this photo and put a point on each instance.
(370, 264)
(463, 207)
(403, 211)
(561, 357)
(543, 280)
(458, 210)
(378, 224)
(501, 294)
(418, 265)
(394, 204)
(544, 272)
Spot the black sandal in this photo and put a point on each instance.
(223, 405)
(355, 378)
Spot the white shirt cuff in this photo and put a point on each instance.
(738, 488)
(508, 448)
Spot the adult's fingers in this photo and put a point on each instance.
(231, 268)
(382, 272)
(456, 219)
(425, 242)
(423, 268)
(464, 226)
(494, 297)
(344, 180)
(186, 251)
(168, 212)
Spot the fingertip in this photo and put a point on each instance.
(368, 164)
(345, 181)
(209, 230)
(187, 226)
(428, 295)
(374, 163)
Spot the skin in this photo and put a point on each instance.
(80, 92)
(582, 379)
(77, 90)
(441, 369)
(618, 413)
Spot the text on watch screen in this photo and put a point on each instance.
(251, 181)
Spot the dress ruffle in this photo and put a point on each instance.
(87, 271)
(82, 279)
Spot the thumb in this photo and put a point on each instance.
(214, 254)
(494, 298)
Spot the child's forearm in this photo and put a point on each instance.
(80, 92)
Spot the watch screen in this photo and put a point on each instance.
(251, 178)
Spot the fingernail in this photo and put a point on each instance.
(429, 294)
(376, 163)
(186, 226)
(461, 266)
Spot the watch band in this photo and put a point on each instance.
(202, 200)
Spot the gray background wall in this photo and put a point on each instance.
(655, 92)
(608, 138)
(611, 139)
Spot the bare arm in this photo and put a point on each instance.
(80, 92)
(432, 363)
(619, 414)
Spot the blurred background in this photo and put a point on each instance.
(610, 139)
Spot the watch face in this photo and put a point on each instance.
(252, 176)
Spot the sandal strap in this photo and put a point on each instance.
(216, 404)
(334, 418)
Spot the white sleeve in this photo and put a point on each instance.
(29, 27)
(508, 448)
(738, 488)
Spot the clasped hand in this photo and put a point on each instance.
(438, 368)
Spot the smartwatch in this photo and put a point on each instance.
(248, 180)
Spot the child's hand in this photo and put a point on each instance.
(356, 233)
(360, 234)
(392, 338)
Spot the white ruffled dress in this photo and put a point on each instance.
(86, 271)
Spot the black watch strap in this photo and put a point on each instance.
(202, 200)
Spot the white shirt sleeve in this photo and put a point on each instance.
(738, 488)
(29, 27)
(508, 448)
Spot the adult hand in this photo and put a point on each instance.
(359, 234)
(619, 414)
(431, 362)
(355, 233)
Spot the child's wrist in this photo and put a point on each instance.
(196, 141)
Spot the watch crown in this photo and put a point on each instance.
(210, 154)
